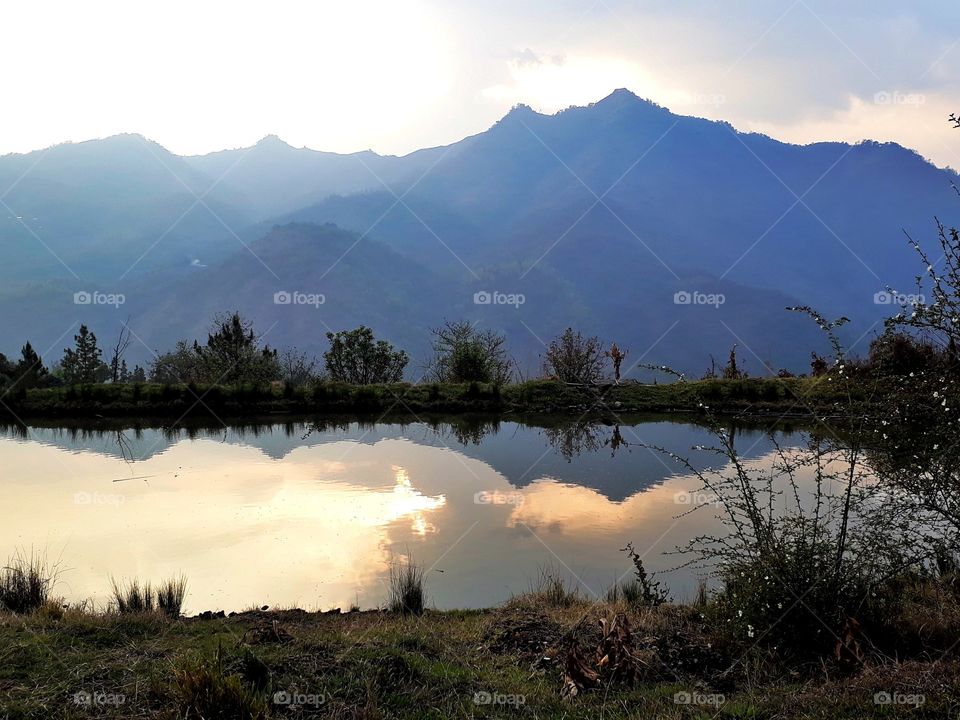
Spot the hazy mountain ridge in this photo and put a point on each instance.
(597, 215)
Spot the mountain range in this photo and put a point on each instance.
(675, 236)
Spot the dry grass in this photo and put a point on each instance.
(379, 664)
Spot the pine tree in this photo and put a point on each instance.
(82, 364)
(29, 370)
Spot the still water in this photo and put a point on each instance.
(297, 515)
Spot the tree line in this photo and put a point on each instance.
(234, 354)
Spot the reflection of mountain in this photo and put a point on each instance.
(318, 523)
(520, 453)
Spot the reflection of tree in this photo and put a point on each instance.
(585, 436)
(579, 437)
(465, 429)
(126, 451)
(16, 429)
(616, 441)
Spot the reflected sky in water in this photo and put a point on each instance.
(294, 516)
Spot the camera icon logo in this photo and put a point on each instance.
(682, 298)
(883, 298)
(82, 298)
(482, 298)
(282, 297)
(282, 697)
(482, 698)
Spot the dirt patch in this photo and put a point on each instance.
(525, 631)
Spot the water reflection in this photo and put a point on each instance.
(313, 514)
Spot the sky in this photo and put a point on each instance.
(394, 76)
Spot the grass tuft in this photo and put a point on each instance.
(170, 595)
(553, 588)
(132, 598)
(205, 690)
(25, 583)
(407, 588)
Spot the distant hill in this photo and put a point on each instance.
(275, 178)
(105, 208)
(599, 216)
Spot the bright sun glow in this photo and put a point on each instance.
(198, 76)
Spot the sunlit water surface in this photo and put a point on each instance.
(296, 516)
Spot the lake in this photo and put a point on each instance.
(299, 515)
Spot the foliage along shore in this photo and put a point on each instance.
(510, 661)
(795, 397)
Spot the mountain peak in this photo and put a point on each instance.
(623, 98)
(623, 93)
(273, 141)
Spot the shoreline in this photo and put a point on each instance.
(513, 659)
(788, 398)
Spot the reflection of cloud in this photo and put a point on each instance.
(576, 510)
(320, 525)
(407, 501)
(243, 528)
(580, 512)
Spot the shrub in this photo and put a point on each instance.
(793, 597)
(462, 354)
(643, 589)
(573, 358)
(356, 357)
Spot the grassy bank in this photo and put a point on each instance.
(507, 662)
(795, 396)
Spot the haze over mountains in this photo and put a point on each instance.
(598, 216)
